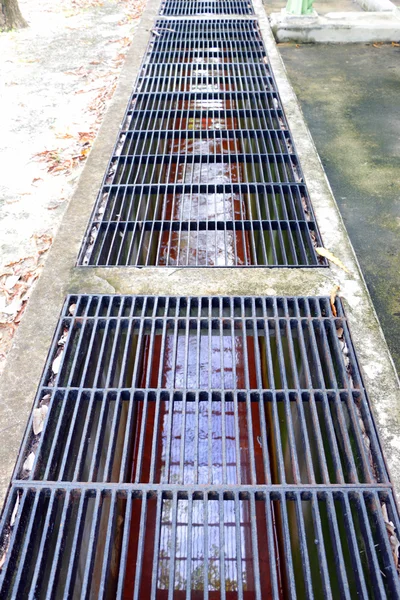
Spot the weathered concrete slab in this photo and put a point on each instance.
(337, 28)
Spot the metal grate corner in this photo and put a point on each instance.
(204, 172)
(205, 447)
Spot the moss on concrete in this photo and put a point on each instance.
(349, 95)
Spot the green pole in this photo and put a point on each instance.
(299, 7)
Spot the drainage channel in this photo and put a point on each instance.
(201, 447)
(207, 447)
(204, 172)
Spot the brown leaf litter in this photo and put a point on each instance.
(66, 160)
(393, 537)
(16, 282)
(62, 158)
(332, 299)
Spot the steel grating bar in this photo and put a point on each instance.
(205, 171)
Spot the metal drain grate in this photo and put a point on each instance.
(206, 7)
(325, 429)
(203, 448)
(204, 172)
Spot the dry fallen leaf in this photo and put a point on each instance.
(72, 309)
(45, 399)
(39, 417)
(392, 535)
(331, 257)
(11, 281)
(63, 338)
(377, 45)
(332, 299)
(54, 205)
(4, 556)
(64, 136)
(28, 464)
(396, 44)
(11, 308)
(55, 367)
(43, 242)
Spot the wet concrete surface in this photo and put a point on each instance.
(350, 98)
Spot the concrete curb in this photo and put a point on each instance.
(377, 5)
